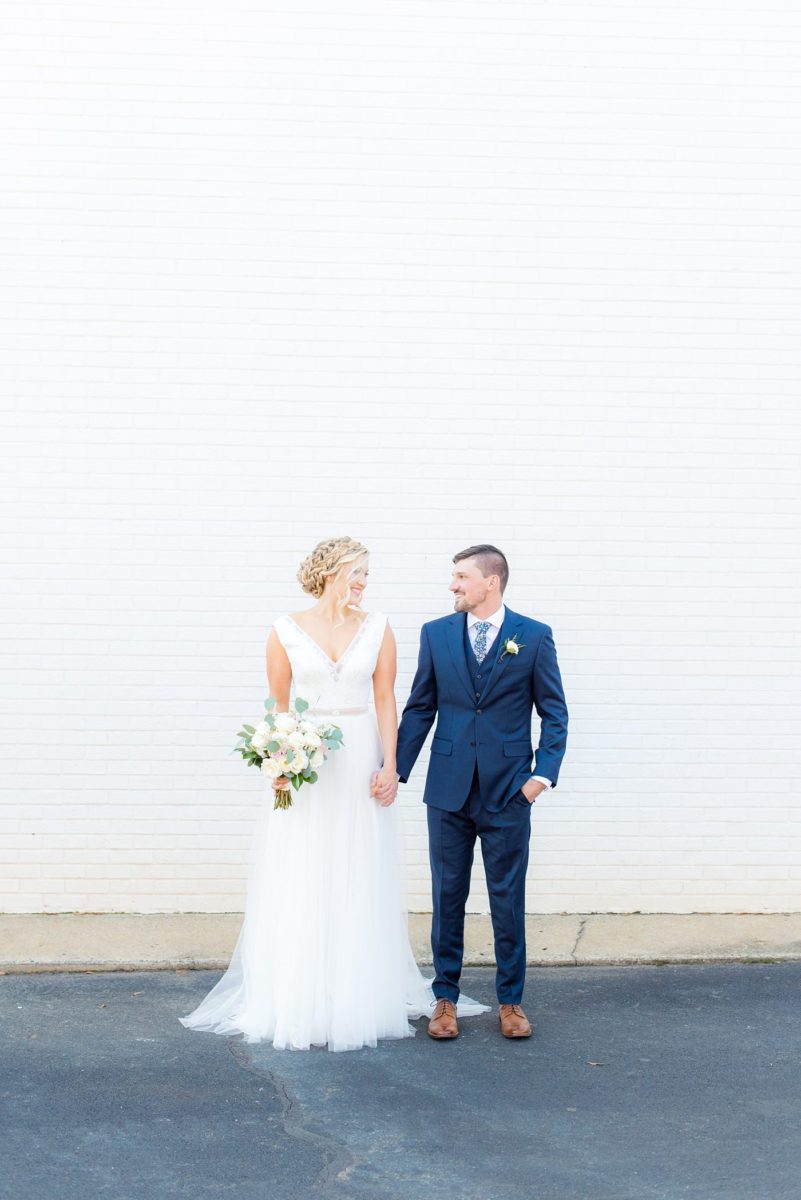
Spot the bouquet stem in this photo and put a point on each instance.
(283, 799)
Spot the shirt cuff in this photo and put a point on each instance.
(542, 779)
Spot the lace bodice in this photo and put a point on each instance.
(326, 684)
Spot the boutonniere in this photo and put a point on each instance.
(510, 646)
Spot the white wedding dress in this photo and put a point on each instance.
(323, 955)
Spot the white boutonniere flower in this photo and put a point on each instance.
(510, 646)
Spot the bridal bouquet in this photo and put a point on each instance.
(288, 744)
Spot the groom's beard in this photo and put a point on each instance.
(461, 604)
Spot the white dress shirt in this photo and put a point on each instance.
(495, 622)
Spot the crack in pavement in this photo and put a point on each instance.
(579, 936)
(338, 1162)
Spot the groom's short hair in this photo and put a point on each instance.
(490, 560)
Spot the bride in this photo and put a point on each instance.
(323, 955)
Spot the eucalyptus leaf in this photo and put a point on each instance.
(301, 705)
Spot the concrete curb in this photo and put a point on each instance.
(196, 941)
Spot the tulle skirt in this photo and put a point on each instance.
(323, 956)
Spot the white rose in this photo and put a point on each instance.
(317, 759)
(271, 768)
(512, 647)
(299, 763)
(259, 741)
(284, 723)
(311, 741)
(295, 740)
(262, 729)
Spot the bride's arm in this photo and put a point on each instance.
(279, 678)
(279, 672)
(385, 783)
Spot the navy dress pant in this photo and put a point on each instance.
(504, 848)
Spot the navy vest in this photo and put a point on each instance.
(480, 672)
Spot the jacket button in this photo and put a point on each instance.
(478, 711)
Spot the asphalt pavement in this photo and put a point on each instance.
(640, 1083)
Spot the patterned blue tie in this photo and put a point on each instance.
(480, 648)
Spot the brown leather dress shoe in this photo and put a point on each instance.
(514, 1022)
(443, 1023)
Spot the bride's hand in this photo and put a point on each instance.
(384, 786)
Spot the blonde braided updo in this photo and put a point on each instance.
(327, 559)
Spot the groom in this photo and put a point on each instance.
(480, 672)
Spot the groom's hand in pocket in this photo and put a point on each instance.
(532, 788)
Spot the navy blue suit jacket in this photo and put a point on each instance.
(494, 731)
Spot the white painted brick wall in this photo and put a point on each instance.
(426, 273)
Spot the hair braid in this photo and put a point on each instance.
(325, 560)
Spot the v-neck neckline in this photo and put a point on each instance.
(333, 662)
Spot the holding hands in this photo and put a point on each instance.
(384, 786)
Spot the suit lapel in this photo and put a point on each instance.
(512, 625)
(455, 636)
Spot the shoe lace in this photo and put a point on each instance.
(441, 1009)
